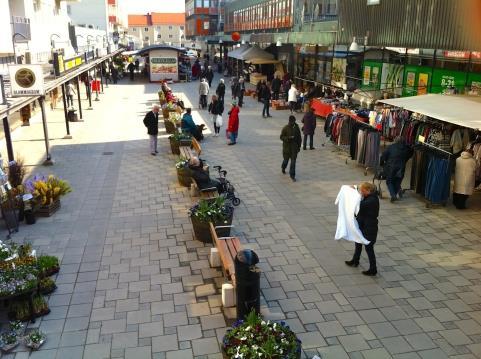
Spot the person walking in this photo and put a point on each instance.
(209, 74)
(234, 87)
(131, 68)
(114, 73)
(216, 108)
(393, 160)
(70, 93)
(203, 92)
(308, 128)
(233, 124)
(276, 87)
(220, 91)
(242, 90)
(266, 100)
(53, 98)
(291, 145)
(137, 65)
(292, 97)
(367, 218)
(151, 121)
(464, 178)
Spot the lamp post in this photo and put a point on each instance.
(52, 42)
(76, 49)
(13, 43)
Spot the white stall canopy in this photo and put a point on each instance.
(236, 54)
(459, 110)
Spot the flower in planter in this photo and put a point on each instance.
(217, 210)
(8, 341)
(177, 137)
(181, 163)
(35, 339)
(46, 190)
(256, 338)
(47, 264)
(5, 251)
(16, 326)
(46, 285)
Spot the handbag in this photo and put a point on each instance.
(218, 121)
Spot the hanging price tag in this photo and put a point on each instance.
(421, 139)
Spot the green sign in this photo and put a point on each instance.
(163, 60)
(443, 79)
(371, 75)
(416, 80)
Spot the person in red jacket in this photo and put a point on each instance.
(233, 125)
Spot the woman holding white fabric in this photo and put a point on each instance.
(368, 224)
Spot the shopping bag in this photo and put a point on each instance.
(218, 121)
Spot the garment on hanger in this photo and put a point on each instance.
(348, 201)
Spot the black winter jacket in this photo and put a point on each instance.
(367, 217)
(394, 160)
(151, 121)
(216, 108)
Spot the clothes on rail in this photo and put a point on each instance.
(476, 148)
(431, 174)
(337, 128)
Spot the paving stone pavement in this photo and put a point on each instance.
(134, 284)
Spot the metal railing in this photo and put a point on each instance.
(319, 18)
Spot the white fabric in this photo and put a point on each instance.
(457, 109)
(292, 95)
(465, 174)
(348, 200)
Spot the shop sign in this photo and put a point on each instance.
(163, 65)
(62, 65)
(26, 80)
(444, 79)
(338, 72)
(416, 80)
(371, 75)
(462, 54)
(3, 98)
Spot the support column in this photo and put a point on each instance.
(48, 161)
(68, 135)
(96, 87)
(8, 139)
(78, 97)
(89, 90)
(102, 78)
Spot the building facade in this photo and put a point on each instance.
(157, 28)
(203, 18)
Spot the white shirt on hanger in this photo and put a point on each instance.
(348, 200)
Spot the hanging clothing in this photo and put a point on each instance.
(348, 201)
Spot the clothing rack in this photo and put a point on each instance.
(435, 148)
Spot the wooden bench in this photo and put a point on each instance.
(194, 150)
(227, 248)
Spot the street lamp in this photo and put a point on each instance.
(52, 42)
(13, 43)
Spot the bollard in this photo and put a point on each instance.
(247, 277)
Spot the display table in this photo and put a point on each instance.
(256, 77)
(321, 108)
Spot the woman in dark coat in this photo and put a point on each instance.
(308, 128)
(368, 224)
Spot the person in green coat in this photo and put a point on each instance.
(291, 145)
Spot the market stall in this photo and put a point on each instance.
(162, 62)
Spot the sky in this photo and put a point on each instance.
(144, 6)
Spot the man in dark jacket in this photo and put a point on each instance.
(209, 75)
(220, 91)
(151, 121)
(241, 91)
(394, 160)
(266, 99)
(291, 145)
(276, 87)
(131, 68)
(368, 224)
(309, 121)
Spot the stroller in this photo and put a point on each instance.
(227, 189)
(379, 177)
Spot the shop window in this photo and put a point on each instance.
(146, 29)
(146, 38)
(134, 29)
(170, 27)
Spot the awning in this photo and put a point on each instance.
(259, 61)
(237, 53)
(460, 110)
(255, 52)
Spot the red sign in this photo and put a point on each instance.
(462, 54)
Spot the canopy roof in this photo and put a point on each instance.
(259, 61)
(238, 52)
(145, 51)
(255, 52)
(460, 110)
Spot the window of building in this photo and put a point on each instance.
(146, 38)
(146, 29)
(182, 27)
(159, 36)
(170, 27)
(170, 36)
(198, 3)
(134, 29)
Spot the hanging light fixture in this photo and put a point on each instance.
(354, 46)
(243, 42)
(220, 41)
(279, 42)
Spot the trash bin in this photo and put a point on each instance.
(72, 116)
(28, 208)
(247, 282)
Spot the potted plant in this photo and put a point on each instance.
(40, 306)
(5, 252)
(167, 108)
(35, 339)
(217, 211)
(18, 277)
(17, 327)
(46, 193)
(46, 285)
(8, 341)
(257, 338)
(47, 265)
(179, 139)
(183, 172)
(19, 310)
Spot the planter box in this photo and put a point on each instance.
(169, 126)
(184, 177)
(202, 229)
(166, 113)
(174, 145)
(47, 211)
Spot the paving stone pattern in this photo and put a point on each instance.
(134, 284)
